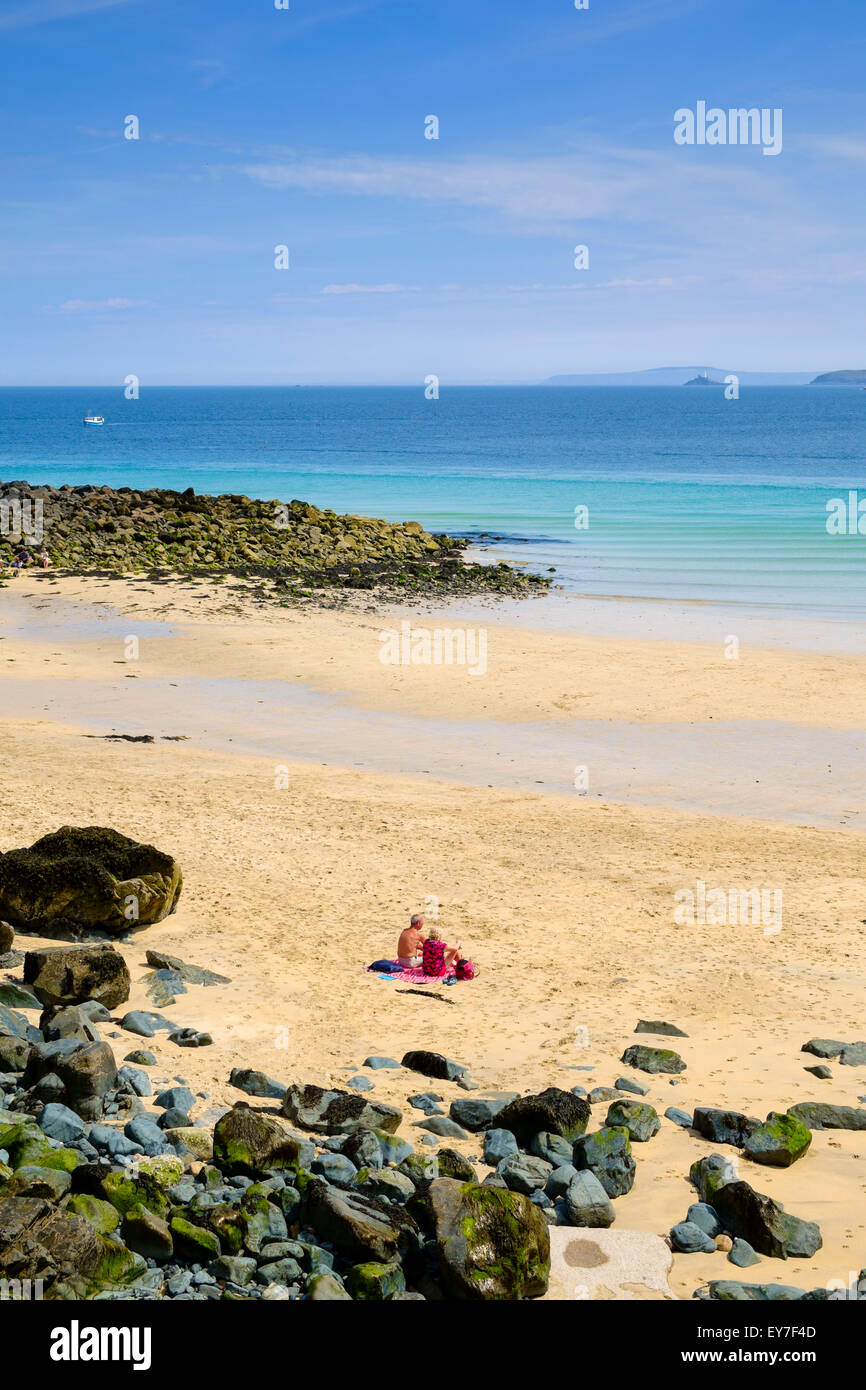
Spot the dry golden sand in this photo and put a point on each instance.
(566, 904)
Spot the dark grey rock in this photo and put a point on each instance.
(192, 974)
(433, 1064)
(702, 1214)
(824, 1047)
(854, 1055)
(146, 1024)
(689, 1239)
(560, 1180)
(666, 1030)
(679, 1117)
(360, 1083)
(723, 1126)
(498, 1144)
(814, 1114)
(61, 1123)
(443, 1127)
(335, 1168)
(175, 1098)
(256, 1083)
(599, 1094)
(742, 1255)
(823, 1073)
(608, 1155)
(729, 1291)
(524, 1173)
(145, 1131)
(553, 1148)
(636, 1088)
(381, 1063)
(137, 1080)
(587, 1203)
(765, 1224)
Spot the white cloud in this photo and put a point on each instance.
(647, 186)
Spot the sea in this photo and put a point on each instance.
(665, 493)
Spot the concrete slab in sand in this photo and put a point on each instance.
(599, 1265)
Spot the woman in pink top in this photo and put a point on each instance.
(436, 956)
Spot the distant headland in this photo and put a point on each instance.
(847, 378)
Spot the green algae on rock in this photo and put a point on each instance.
(493, 1244)
(92, 878)
(299, 547)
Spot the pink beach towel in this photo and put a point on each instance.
(415, 975)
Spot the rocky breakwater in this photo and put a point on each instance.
(295, 545)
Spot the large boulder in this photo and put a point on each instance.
(815, 1114)
(7, 936)
(492, 1243)
(337, 1112)
(723, 1126)
(61, 975)
(39, 1241)
(92, 878)
(765, 1224)
(553, 1111)
(360, 1227)
(247, 1143)
(779, 1142)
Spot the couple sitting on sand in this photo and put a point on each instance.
(430, 953)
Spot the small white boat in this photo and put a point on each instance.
(94, 419)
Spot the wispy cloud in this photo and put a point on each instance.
(562, 191)
(90, 306)
(47, 11)
(365, 289)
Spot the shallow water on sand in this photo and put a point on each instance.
(766, 770)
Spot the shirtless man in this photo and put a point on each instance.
(411, 942)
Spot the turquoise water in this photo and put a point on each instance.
(689, 496)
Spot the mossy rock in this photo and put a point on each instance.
(102, 1215)
(198, 1141)
(374, 1282)
(641, 1120)
(44, 1241)
(453, 1165)
(164, 1169)
(653, 1059)
(31, 1180)
(192, 1242)
(779, 1142)
(553, 1111)
(248, 1144)
(493, 1244)
(126, 1190)
(607, 1154)
(86, 877)
(30, 1148)
(147, 1235)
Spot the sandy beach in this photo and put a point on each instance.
(566, 901)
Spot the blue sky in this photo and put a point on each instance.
(305, 127)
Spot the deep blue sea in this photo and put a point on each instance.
(689, 496)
